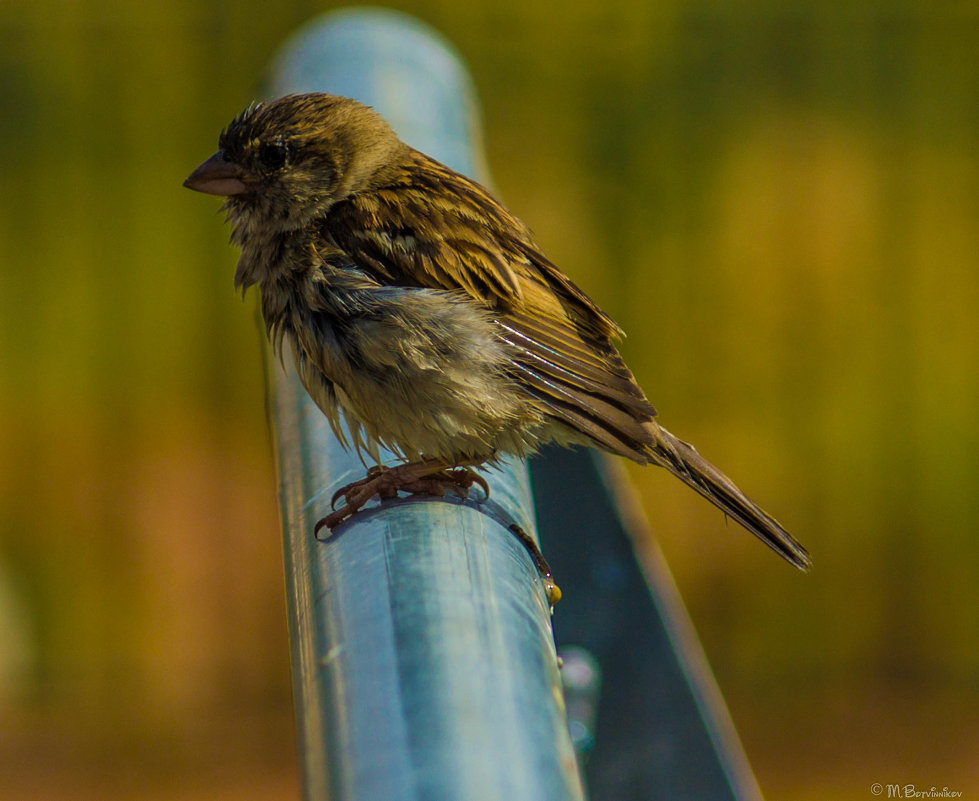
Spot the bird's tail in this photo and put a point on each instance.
(690, 467)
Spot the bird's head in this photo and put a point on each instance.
(283, 163)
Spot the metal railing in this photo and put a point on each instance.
(423, 659)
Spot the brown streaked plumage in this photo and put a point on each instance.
(423, 314)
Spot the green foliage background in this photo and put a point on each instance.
(777, 201)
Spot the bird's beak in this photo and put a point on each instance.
(217, 176)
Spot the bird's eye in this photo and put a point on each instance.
(273, 155)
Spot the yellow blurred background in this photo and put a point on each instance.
(777, 201)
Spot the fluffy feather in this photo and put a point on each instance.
(422, 314)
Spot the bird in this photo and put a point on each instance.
(423, 316)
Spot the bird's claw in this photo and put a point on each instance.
(426, 479)
(347, 489)
(386, 482)
(462, 478)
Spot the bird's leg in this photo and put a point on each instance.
(429, 477)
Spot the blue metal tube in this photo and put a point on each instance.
(423, 659)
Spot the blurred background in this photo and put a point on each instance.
(777, 201)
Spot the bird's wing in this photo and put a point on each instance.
(432, 227)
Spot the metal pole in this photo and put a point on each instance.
(641, 699)
(423, 659)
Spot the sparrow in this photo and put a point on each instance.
(423, 315)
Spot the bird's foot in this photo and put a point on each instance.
(428, 477)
